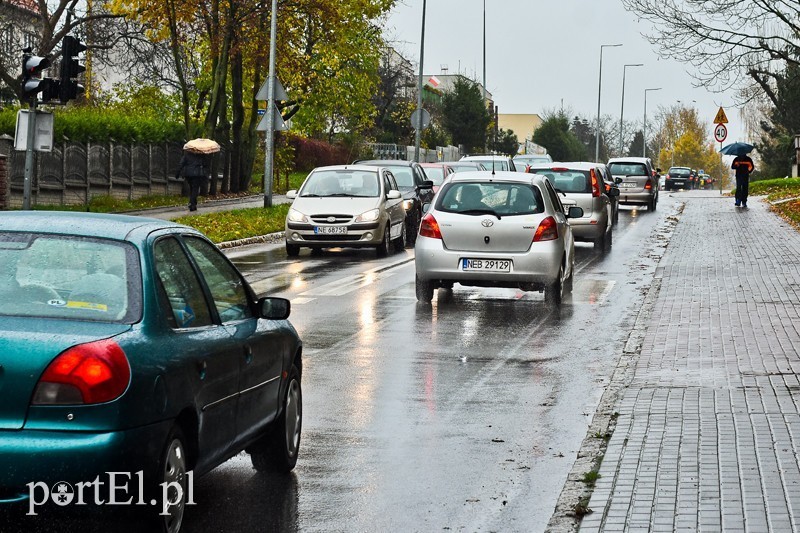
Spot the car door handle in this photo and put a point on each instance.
(248, 354)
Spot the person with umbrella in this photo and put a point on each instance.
(195, 166)
(743, 166)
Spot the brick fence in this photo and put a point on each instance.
(4, 185)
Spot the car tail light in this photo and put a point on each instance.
(595, 184)
(648, 185)
(547, 230)
(90, 373)
(559, 169)
(429, 227)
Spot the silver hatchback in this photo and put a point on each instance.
(496, 229)
(583, 182)
(636, 179)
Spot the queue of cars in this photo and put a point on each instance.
(478, 221)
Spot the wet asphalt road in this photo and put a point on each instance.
(465, 415)
(462, 415)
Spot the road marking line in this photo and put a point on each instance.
(349, 284)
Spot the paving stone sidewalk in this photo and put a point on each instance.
(708, 432)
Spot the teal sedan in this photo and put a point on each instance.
(133, 346)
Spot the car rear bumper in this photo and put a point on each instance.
(584, 230)
(638, 198)
(34, 456)
(537, 266)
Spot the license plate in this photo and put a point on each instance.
(628, 185)
(486, 265)
(330, 230)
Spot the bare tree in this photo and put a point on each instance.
(729, 41)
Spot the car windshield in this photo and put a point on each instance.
(628, 169)
(435, 174)
(53, 276)
(499, 164)
(363, 183)
(402, 175)
(528, 160)
(679, 171)
(504, 199)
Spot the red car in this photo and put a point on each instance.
(437, 172)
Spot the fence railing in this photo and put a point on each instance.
(73, 173)
(426, 155)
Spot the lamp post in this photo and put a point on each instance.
(419, 85)
(644, 127)
(269, 159)
(599, 88)
(485, 144)
(622, 106)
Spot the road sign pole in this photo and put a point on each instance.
(26, 191)
(270, 133)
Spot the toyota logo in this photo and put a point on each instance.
(487, 223)
(331, 220)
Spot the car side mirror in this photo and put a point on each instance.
(575, 212)
(617, 180)
(394, 194)
(658, 170)
(274, 308)
(291, 195)
(613, 192)
(426, 206)
(427, 184)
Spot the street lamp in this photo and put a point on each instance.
(622, 107)
(419, 86)
(599, 88)
(644, 127)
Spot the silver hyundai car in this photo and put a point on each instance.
(352, 206)
(497, 229)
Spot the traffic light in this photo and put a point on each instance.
(32, 67)
(69, 88)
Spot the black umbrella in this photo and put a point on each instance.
(737, 148)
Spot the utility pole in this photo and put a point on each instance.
(599, 88)
(622, 107)
(270, 133)
(418, 133)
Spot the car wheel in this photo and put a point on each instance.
(554, 292)
(600, 242)
(413, 229)
(424, 290)
(609, 241)
(172, 471)
(652, 205)
(400, 242)
(278, 449)
(569, 281)
(292, 250)
(385, 247)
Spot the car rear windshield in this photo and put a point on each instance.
(499, 164)
(403, 175)
(57, 276)
(679, 171)
(467, 167)
(505, 199)
(628, 169)
(342, 183)
(566, 180)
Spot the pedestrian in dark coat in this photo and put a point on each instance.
(195, 170)
(743, 166)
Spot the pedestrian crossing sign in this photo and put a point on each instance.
(721, 118)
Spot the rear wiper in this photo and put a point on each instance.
(481, 212)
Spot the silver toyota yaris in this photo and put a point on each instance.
(497, 229)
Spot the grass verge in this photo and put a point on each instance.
(238, 223)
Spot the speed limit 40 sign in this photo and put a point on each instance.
(720, 133)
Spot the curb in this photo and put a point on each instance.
(574, 499)
(269, 238)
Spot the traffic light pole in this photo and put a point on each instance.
(26, 195)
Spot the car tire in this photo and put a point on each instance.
(277, 451)
(568, 283)
(292, 250)
(554, 292)
(424, 289)
(446, 285)
(651, 206)
(609, 241)
(400, 242)
(385, 247)
(172, 468)
(600, 241)
(412, 229)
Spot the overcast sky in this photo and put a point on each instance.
(540, 52)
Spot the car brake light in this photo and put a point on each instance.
(95, 372)
(595, 184)
(648, 185)
(429, 227)
(547, 230)
(559, 169)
